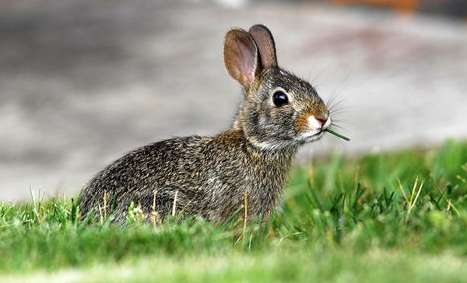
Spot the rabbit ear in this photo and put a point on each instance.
(241, 56)
(265, 42)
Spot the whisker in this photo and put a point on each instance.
(338, 111)
(337, 124)
(337, 127)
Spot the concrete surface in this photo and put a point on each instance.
(82, 82)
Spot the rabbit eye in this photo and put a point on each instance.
(279, 98)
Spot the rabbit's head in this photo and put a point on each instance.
(279, 109)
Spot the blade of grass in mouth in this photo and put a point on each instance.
(337, 135)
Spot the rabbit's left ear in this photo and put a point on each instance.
(266, 46)
(241, 56)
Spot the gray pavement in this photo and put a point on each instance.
(82, 82)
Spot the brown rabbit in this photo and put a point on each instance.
(210, 176)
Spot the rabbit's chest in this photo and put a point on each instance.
(260, 188)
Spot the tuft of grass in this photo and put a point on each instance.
(378, 218)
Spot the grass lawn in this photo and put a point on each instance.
(391, 217)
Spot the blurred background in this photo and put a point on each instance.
(82, 82)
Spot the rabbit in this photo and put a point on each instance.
(244, 167)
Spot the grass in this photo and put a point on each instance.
(388, 217)
(337, 134)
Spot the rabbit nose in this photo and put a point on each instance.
(319, 122)
(315, 122)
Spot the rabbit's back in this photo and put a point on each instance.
(151, 173)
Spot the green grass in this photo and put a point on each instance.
(388, 217)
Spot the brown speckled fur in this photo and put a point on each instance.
(211, 174)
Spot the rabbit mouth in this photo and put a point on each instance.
(311, 136)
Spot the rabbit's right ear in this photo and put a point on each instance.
(266, 46)
(241, 56)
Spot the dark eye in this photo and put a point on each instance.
(279, 98)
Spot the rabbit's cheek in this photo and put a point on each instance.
(304, 123)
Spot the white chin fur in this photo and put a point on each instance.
(310, 136)
(268, 146)
(303, 138)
